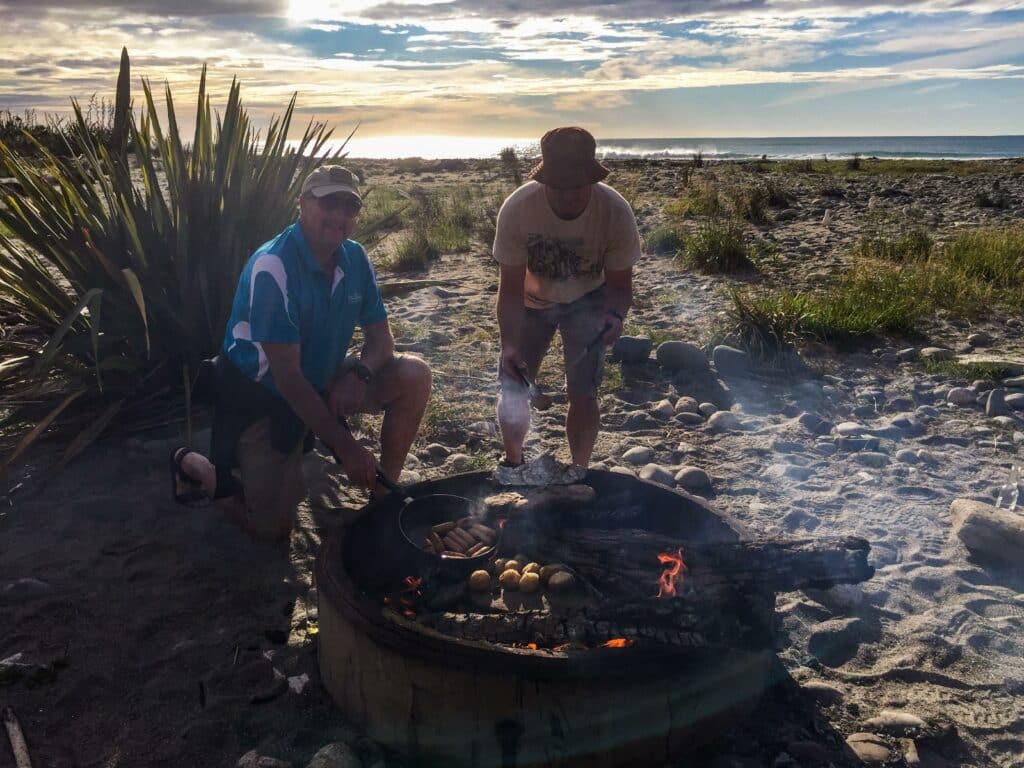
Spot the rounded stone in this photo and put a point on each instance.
(335, 755)
(723, 421)
(657, 474)
(681, 355)
(961, 396)
(906, 456)
(638, 455)
(937, 353)
(690, 419)
(693, 478)
(872, 459)
(663, 410)
(687, 404)
(707, 408)
(870, 748)
(731, 361)
(632, 350)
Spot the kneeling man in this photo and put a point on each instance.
(283, 374)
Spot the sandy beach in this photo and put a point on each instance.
(158, 635)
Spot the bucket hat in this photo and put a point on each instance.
(567, 159)
(329, 179)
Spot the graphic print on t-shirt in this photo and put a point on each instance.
(557, 259)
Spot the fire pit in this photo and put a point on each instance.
(603, 674)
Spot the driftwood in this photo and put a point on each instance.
(17, 738)
(627, 560)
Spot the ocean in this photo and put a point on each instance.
(779, 148)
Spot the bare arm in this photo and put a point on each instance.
(347, 391)
(284, 359)
(618, 300)
(511, 312)
(378, 346)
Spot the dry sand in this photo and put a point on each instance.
(168, 639)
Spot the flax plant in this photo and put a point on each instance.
(118, 275)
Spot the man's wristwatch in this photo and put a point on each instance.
(363, 372)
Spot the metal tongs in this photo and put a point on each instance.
(590, 346)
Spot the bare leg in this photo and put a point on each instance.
(582, 423)
(514, 421)
(404, 395)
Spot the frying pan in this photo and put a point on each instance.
(415, 521)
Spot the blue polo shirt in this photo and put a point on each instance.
(285, 297)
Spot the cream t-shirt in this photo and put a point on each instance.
(565, 259)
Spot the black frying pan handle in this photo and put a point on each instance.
(390, 484)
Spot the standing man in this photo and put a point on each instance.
(566, 245)
(283, 375)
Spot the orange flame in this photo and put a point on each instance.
(412, 583)
(501, 522)
(672, 577)
(617, 642)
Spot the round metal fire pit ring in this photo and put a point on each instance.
(442, 700)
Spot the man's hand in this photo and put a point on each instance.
(359, 464)
(512, 363)
(612, 321)
(345, 394)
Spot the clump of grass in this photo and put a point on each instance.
(413, 251)
(664, 240)
(751, 203)
(913, 245)
(776, 195)
(698, 159)
(717, 247)
(449, 218)
(993, 256)
(853, 163)
(955, 370)
(701, 199)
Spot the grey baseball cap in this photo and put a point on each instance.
(330, 179)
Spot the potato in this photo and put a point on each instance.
(561, 581)
(512, 565)
(550, 570)
(529, 582)
(531, 568)
(509, 579)
(499, 564)
(480, 581)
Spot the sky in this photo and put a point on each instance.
(514, 68)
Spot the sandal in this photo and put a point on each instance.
(195, 495)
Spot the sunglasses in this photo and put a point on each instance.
(344, 203)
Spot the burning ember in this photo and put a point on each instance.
(404, 600)
(618, 642)
(672, 577)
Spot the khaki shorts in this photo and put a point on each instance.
(578, 323)
(273, 482)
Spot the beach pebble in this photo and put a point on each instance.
(663, 410)
(961, 396)
(253, 759)
(872, 459)
(988, 531)
(638, 455)
(792, 471)
(632, 350)
(814, 424)
(1014, 381)
(835, 642)
(681, 355)
(335, 755)
(896, 723)
(927, 412)
(460, 462)
(927, 457)
(730, 361)
(707, 408)
(723, 421)
(689, 419)
(906, 424)
(937, 353)
(687, 404)
(1015, 401)
(980, 339)
(870, 748)
(657, 474)
(850, 429)
(907, 456)
(619, 470)
(693, 478)
(908, 354)
(437, 451)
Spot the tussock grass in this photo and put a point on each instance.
(890, 291)
(912, 245)
(717, 247)
(970, 371)
(664, 240)
(700, 199)
(412, 251)
(750, 203)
